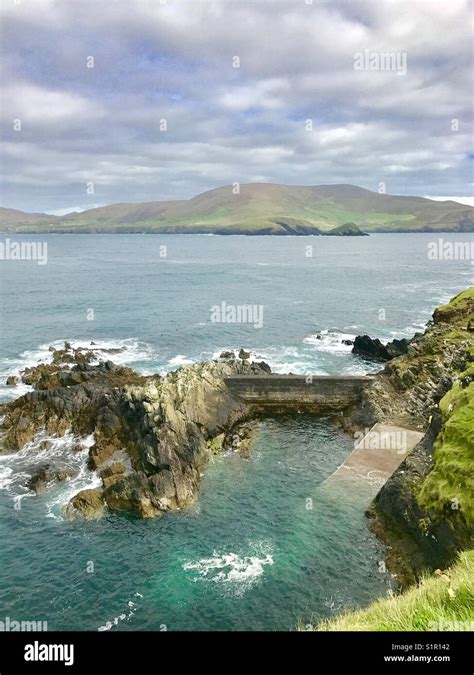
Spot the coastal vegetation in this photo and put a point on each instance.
(443, 601)
(260, 208)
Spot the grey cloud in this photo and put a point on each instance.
(174, 62)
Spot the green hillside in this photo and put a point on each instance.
(262, 208)
(442, 602)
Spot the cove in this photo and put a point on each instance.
(248, 555)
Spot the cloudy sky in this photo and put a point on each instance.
(184, 95)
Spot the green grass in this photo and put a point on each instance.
(449, 485)
(447, 489)
(258, 206)
(443, 601)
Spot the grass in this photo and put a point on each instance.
(447, 489)
(443, 601)
(449, 483)
(257, 207)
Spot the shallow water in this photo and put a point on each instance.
(264, 546)
(267, 543)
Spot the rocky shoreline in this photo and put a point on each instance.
(424, 512)
(153, 435)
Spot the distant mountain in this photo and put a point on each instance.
(260, 208)
(14, 219)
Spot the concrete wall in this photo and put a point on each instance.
(324, 394)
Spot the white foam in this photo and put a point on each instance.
(238, 573)
(330, 340)
(131, 351)
(179, 360)
(124, 616)
(60, 454)
(281, 360)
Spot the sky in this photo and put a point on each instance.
(109, 101)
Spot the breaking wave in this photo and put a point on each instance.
(237, 573)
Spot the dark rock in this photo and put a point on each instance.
(262, 366)
(40, 479)
(244, 355)
(348, 342)
(12, 380)
(364, 345)
(45, 475)
(227, 355)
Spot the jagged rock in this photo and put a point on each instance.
(348, 342)
(112, 473)
(244, 355)
(86, 505)
(227, 355)
(163, 429)
(44, 475)
(407, 392)
(262, 366)
(216, 444)
(40, 479)
(364, 345)
(12, 380)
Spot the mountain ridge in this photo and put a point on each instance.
(259, 208)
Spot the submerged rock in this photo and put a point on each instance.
(45, 475)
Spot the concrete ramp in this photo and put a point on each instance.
(377, 454)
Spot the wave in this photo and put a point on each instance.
(238, 573)
(124, 616)
(330, 340)
(179, 360)
(282, 360)
(123, 352)
(65, 453)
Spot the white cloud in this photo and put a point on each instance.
(461, 200)
(173, 61)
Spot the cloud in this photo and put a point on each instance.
(164, 113)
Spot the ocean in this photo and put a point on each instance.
(266, 545)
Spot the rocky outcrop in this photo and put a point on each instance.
(45, 475)
(424, 511)
(364, 345)
(86, 505)
(408, 390)
(417, 539)
(152, 435)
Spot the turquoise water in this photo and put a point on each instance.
(253, 553)
(267, 543)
